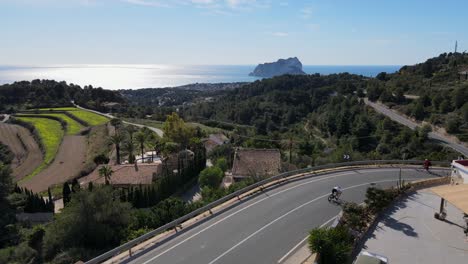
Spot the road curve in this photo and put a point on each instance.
(265, 228)
(411, 124)
(156, 130)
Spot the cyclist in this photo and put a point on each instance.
(336, 192)
(427, 164)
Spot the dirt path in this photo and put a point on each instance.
(28, 156)
(70, 160)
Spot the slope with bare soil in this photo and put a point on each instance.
(28, 156)
(68, 163)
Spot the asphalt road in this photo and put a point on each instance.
(411, 124)
(265, 228)
(156, 130)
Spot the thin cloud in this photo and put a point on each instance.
(280, 34)
(306, 12)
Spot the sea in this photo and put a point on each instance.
(126, 76)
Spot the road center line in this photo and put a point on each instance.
(290, 212)
(245, 208)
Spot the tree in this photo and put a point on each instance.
(176, 130)
(117, 139)
(66, 193)
(211, 177)
(106, 172)
(92, 221)
(116, 123)
(129, 147)
(101, 159)
(418, 111)
(222, 164)
(7, 216)
(140, 138)
(75, 186)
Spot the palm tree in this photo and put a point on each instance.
(141, 138)
(117, 139)
(131, 130)
(129, 147)
(106, 172)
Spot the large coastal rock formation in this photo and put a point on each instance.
(280, 67)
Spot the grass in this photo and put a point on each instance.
(59, 109)
(91, 118)
(73, 127)
(160, 125)
(51, 134)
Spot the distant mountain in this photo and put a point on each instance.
(280, 67)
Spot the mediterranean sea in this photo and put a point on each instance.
(131, 76)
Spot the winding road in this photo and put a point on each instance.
(269, 227)
(156, 130)
(459, 147)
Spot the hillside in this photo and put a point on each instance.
(435, 91)
(49, 93)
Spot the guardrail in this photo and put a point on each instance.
(129, 245)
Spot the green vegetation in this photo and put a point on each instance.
(48, 94)
(91, 118)
(211, 177)
(332, 244)
(51, 134)
(73, 127)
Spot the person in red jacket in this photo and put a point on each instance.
(427, 164)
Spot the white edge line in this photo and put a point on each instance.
(245, 208)
(303, 240)
(289, 212)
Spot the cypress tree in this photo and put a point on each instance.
(75, 186)
(90, 186)
(66, 193)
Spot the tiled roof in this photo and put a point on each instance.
(256, 163)
(126, 174)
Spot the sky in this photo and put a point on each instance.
(229, 32)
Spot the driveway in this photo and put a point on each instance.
(409, 233)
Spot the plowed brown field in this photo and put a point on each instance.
(27, 156)
(68, 163)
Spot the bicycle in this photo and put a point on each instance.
(334, 197)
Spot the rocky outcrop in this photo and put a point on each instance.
(280, 67)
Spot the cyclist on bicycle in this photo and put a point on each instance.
(336, 192)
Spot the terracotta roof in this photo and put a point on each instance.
(126, 174)
(256, 163)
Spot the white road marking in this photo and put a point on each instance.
(303, 240)
(288, 213)
(234, 213)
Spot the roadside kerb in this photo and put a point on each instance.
(193, 217)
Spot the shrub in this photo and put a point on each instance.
(332, 244)
(377, 199)
(355, 216)
(211, 177)
(222, 164)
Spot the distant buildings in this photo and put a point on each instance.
(256, 163)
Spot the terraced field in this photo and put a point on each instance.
(51, 134)
(91, 118)
(28, 155)
(73, 127)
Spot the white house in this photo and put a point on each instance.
(460, 171)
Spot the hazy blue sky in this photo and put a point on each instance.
(320, 32)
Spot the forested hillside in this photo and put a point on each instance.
(49, 93)
(318, 118)
(437, 89)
